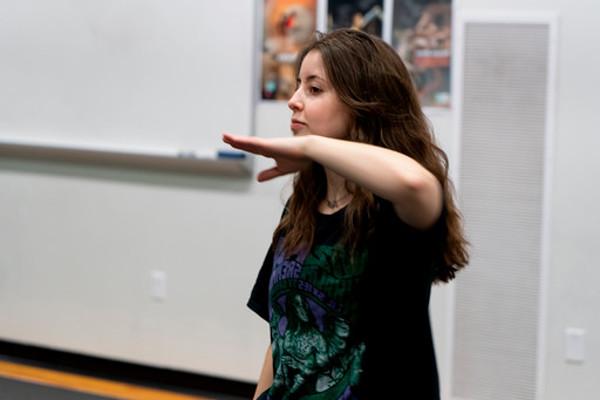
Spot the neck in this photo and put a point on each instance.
(337, 192)
(335, 203)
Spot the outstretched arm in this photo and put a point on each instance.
(415, 193)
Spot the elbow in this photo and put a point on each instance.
(419, 186)
(418, 183)
(423, 198)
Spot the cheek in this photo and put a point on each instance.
(344, 122)
(335, 127)
(329, 119)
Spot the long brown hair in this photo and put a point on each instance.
(372, 81)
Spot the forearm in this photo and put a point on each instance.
(387, 173)
(414, 191)
(266, 375)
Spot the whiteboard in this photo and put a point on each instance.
(132, 75)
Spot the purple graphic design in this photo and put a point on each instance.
(286, 268)
(347, 395)
(282, 326)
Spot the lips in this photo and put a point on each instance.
(297, 124)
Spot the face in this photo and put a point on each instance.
(316, 107)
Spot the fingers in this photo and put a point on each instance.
(269, 174)
(246, 143)
(286, 161)
(232, 140)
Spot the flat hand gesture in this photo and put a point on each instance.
(288, 153)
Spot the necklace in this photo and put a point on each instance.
(333, 204)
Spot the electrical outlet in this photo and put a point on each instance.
(575, 345)
(158, 289)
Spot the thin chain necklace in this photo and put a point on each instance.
(333, 204)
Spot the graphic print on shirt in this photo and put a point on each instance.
(313, 300)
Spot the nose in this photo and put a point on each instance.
(295, 102)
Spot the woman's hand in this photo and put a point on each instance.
(288, 153)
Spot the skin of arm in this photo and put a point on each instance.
(266, 374)
(415, 193)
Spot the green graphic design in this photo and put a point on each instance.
(314, 354)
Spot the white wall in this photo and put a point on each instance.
(78, 243)
(78, 246)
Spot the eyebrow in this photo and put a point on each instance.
(310, 78)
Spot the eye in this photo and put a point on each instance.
(314, 90)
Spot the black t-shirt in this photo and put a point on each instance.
(352, 327)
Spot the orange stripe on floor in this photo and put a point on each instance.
(85, 384)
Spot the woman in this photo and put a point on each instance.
(370, 225)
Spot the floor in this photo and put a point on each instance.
(23, 380)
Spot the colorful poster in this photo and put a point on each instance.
(422, 37)
(288, 26)
(365, 15)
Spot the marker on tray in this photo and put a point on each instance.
(230, 154)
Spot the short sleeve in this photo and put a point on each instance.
(259, 297)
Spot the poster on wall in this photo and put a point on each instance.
(288, 27)
(421, 34)
(364, 15)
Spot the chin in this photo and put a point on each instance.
(299, 132)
